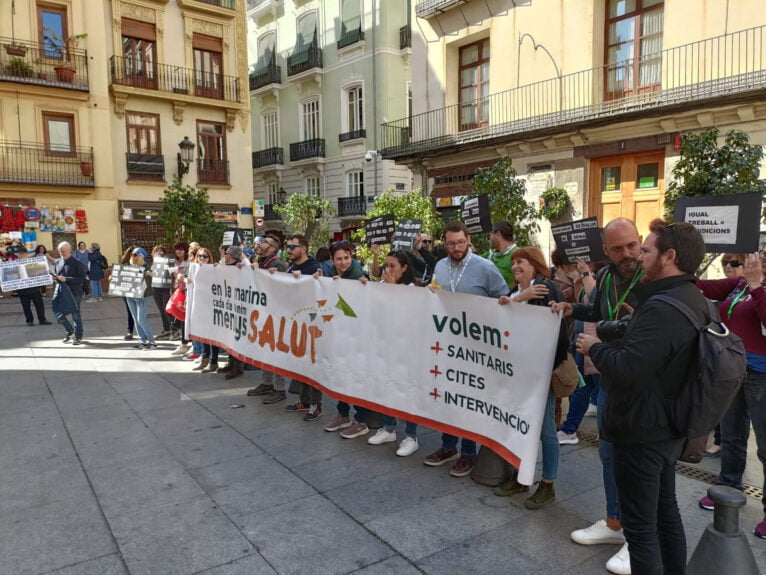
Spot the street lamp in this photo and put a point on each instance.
(281, 196)
(185, 156)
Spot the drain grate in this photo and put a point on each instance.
(684, 469)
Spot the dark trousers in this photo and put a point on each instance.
(36, 298)
(131, 323)
(310, 395)
(646, 487)
(161, 298)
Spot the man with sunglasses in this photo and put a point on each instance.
(267, 251)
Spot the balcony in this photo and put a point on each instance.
(212, 171)
(269, 213)
(31, 163)
(256, 8)
(428, 8)
(356, 206)
(270, 75)
(306, 150)
(353, 135)
(716, 70)
(405, 37)
(145, 167)
(269, 157)
(349, 37)
(33, 63)
(303, 61)
(221, 3)
(173, 80)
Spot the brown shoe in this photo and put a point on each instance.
(226, 368)
(274, 397)
(440, 457)
(233, 372)
(201, 365)
(463, 466)
(212, 368)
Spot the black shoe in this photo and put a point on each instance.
(141, 345)
(30, 323)
(77, 341)
(262, 389)
(68, 337)
(44, 322)
(128, 336)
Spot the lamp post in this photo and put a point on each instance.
(281, 196)
(185, 156)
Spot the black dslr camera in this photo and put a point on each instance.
(613, 330)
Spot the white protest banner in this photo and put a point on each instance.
(457, 363)
(24, 273)
(127, 281)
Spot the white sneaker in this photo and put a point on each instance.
(567, 438)
(597, 534)
(619, 563)
(180, 350)
(408, 446)
(382, 436)
(592, 411)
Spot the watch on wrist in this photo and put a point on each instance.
(585, 274)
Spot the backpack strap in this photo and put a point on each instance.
(687, 312)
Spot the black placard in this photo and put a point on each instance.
(474, 212)
(579, 239)
(127, 281)
(405, 234)
(727, 223)
(379, 230)
(232, 237)
(161, 276)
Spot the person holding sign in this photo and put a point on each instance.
(29, 296)
(138, 306)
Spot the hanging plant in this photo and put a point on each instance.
(554, 204)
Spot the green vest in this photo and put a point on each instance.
(503, 263)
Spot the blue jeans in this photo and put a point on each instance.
(210, 352)
(131, 323)
(76, 319)
(197, 346)
(550, 440)
(579, 401)
(344, 409)
(749, 405)
(607, 464)
(410, 429)
(138, 307)
(95, 289)
(467, 446)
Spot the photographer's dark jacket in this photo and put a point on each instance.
(647, 368)
(74, 272)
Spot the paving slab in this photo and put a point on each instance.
(106, 565)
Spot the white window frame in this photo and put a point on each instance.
(272, 188)
(343, 4)
(355, 184)
(357, 111)
(307, 122)
(270, 128)
(312, 185)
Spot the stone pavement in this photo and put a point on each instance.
(116, 460)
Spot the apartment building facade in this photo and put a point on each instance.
(586, 95)
(324, 76)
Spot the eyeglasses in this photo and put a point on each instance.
(229, 254)
(732, 263)
(204, 256)
(457, 244)
(425, 241)
(292, 247)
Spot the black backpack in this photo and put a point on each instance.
(704, 399)
(103, 263)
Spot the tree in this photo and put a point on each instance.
(187, 216)
(705, 169)
(506, 202)
(307, 215)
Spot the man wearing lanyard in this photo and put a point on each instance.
(614, 299)
(463, 272)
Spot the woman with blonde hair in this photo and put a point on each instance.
(139, 305)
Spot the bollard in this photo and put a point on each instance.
(723, 547)
(491, 469)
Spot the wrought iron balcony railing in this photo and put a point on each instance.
(427, 8)
(271, 75)
(353, 135)
(269, 213)
(173, 79)
(222, 3)
(33, 163)
(307, 149)
(268, 157)
(726, 66)
(212, 171)
(306, 60)
(405, 37)
(355, 206)
(145, 166)
(350, 37)
(43, 64)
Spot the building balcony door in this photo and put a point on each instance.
(631, 186)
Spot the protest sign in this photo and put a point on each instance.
(379, 230)
(579, 239)
(467, 366)
(127, 281)
(232, 238)
(24, 273)
(161, 276)
(405, 234)
(474, 213)
(727, 223)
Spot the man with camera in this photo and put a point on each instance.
(613, 302)
(657, 355)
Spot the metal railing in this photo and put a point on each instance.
(356, 206)
(268, 157)
(349, 37)
(353, 135)
(405, 37)
(33, 163)
(723, 66)
(212, 171)
(425, 8)
(311, 58)
(145, 166)
(269, 213)
(43, 64)
(222, 3)
(307, 149)
(271, 75)
(251, 4)
(173, 79)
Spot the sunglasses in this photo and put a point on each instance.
(425, 241)
(733, 263)
(204, 256)
(292, 247)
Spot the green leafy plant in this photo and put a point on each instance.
(19, 67)
(555, 204)
(307, 214)
(187, 216)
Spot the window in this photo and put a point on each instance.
(272, 189)
(409, 108)
(139, 53)
(208, 66)
(267, 56)
(355, 184)
(270, 129)
(145, 159)
(211, 153)
(351, 23)
(306, 33)
(634, 45)
(311, 186)
(310, 127)
(474, 85)
(354, 115)
(53, 32)
(58, 131)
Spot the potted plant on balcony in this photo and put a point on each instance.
(86, 168)
(14, 49)
(66, 71)
(19, 68)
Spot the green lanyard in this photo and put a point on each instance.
(614, 311)
(735, 301)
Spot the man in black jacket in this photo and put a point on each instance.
(657, 355)
(69, 272)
